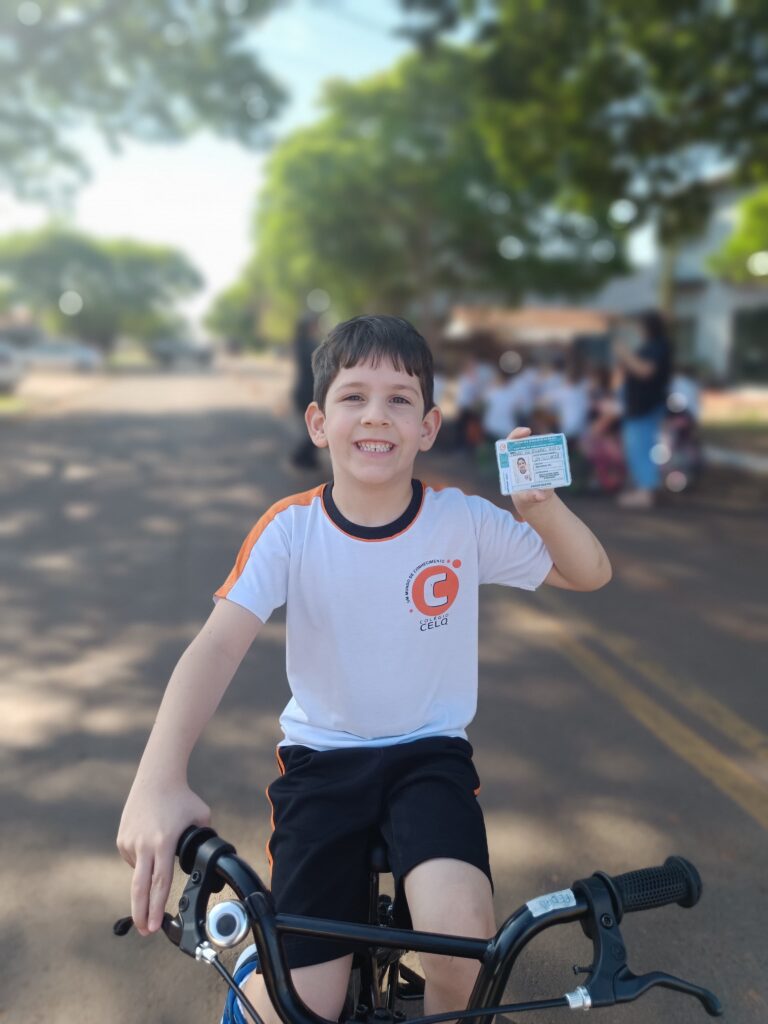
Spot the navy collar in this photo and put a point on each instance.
(374, 532)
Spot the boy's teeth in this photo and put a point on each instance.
(374, 447)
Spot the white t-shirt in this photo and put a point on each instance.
(381, 621)
(525, 384)
(571, 405)
(499, 414)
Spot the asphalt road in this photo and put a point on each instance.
(614, 728)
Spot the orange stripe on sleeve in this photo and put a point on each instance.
(281, 766)
(304, 498)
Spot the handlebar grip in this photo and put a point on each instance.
(676, 881)
(189, 842)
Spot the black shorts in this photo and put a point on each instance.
(329, 807)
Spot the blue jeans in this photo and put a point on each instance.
(640, 434)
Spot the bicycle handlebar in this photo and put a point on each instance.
(597, 902)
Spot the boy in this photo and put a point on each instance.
(380, 575)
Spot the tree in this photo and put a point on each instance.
(236, 313)
(618, 106)
(153, 70)
(391, 202)
(743, 259)
(97, 289)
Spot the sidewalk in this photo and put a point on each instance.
(734, 426)
(736, 458)
(44, 391)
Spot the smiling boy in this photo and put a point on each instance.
(380, 576)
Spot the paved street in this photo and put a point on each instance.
(614, 728)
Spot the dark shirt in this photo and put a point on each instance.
(303, 388)
(644, 394)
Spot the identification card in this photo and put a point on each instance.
(533, 462)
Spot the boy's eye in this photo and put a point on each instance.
(395, 398)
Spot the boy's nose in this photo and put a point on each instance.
(375, 414)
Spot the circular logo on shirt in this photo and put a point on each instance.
(434, 589)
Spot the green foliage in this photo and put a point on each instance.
(391, 203)
(592, 101)
(153, 70)
(126, 287)
(738, 260)
(236, 313)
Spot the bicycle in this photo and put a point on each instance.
(380, 979)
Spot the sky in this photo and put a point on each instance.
(199, 196)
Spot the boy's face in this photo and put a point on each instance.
(373, 424)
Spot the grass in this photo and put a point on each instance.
(10, 405)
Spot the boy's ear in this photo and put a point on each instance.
(430, 425)
(314, 417)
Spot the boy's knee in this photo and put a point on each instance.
(453, 977)
(322, 987)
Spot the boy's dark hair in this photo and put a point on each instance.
(373, 338)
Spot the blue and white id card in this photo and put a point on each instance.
(533, 462)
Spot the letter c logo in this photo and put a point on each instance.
(435, 590)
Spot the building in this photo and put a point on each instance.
(718, 327)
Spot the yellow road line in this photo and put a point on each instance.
(720, 769)
(687, 694)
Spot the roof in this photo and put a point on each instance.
(530, 325)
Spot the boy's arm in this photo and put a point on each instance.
(160, 804)
(580, 559)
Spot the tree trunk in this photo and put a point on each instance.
(668, 265)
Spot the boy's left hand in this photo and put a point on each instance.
(524, 501)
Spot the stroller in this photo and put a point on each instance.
(680, 435)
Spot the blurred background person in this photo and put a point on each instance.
(545, 382)
(305, 340)
(550, 378)
(601, 443)
(681, 435)
(525, 384)
(440, 380)
(685, 392)
(642, 350)
(570, 404)
(499, 412)
(472, 385)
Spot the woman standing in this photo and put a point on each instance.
(643, 353)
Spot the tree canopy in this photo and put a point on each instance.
(638, 108)
(236, 313)
(391, 202)
(96, 289)
(152, 70)
(744, 257)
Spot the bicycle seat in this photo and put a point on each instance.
(378, 859)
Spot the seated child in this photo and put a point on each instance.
(380, 575)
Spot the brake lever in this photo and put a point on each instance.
(611, 981)
(629, 986)
(171, 926)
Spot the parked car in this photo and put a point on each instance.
(62, 354)
(11, 368)
(176, 352)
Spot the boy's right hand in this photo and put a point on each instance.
(152, 821)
